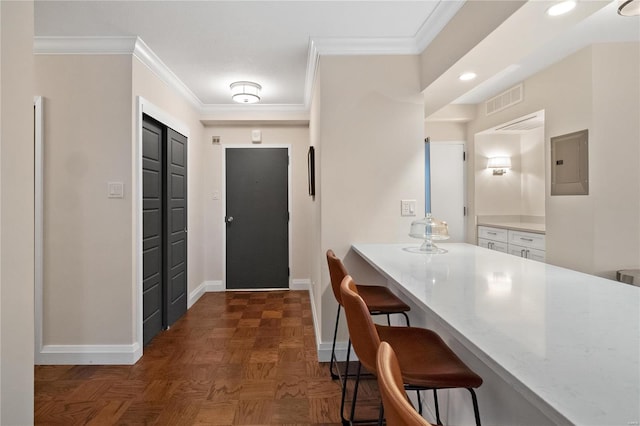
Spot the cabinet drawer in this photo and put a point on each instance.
(493, 245)
(527, 253)
(527, 239)
(495, 234)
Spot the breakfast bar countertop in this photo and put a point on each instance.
(568, 341)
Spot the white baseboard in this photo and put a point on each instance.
(324, 352)
(205, 287)
(324, 349)
(89, 354)
(300, 284)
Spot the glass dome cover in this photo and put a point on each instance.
(429, 229)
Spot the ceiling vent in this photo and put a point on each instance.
(505, 99)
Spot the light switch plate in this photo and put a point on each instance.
(408, 208)
(115, 190)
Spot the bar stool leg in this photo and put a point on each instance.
(345, 422)
(355, 394)
(406, 317)
(435, 400)
(476, 411)
(381, 415)
(334, 375)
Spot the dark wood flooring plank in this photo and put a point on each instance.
(236, 358)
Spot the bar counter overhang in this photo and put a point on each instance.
(554, 346)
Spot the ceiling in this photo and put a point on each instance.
(209, 44)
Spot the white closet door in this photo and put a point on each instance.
(447, 187)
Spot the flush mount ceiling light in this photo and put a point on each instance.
(245, 92)
(561, 8)
(466, 76)
(629, 7)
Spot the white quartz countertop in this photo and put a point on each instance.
(538, 228)
(568, 341)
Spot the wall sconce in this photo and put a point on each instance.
(499, 165)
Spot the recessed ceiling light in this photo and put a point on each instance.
(561, 8)
(467, 76)
(629, 7)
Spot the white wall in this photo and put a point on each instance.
(532, 172)
(212, 178)
(440, 131)
(370, 139)
(614, 157)
(16, 213)
(497, 195)
(88, 266)
(520, 191)
(597, 233)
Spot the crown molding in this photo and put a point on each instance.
(164, 73)
(435, 22)
(83, 45)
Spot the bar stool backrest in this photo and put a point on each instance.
(398, 411)
(362, 330)
(337, 272)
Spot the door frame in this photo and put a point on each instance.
(224, 206)
(143, 106)
(38, 137)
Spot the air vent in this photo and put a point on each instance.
(505, 99)
(528, 123)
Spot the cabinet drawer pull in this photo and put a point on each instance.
(492, 233)
(527, 239)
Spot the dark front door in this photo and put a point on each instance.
(176, 226)
(257, 218)
(164, 227)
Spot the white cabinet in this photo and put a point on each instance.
(493, 245)
(529, 245)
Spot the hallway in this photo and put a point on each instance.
(234, 358)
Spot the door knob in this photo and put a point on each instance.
(229, 219)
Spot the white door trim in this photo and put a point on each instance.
(145, 107)
(38, 225)
(224, 202)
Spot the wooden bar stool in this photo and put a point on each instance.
(398, 410)
(426, 362)
(379, 300)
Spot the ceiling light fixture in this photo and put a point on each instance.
(245, 92)
(466, 76)
(561, 8)
(499, 165)
(629, 7)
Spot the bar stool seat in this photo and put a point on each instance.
(378, 299)
(426, 361)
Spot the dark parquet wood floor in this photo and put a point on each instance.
(236, 358)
